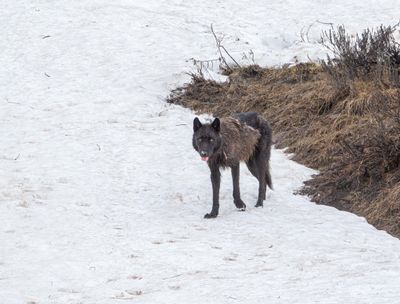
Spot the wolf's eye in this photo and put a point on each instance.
(199, 140)
(211, 139)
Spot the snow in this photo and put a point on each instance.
(102, 196)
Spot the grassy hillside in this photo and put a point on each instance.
(340, 116)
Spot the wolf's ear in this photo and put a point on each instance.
(216, 124)
(196, 124)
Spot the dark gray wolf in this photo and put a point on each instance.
(225, 143)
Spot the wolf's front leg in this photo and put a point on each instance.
(216, 181)
(236, 190)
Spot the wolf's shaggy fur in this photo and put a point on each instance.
(228, 141)
(239, 143)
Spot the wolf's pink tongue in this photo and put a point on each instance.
(204, 158)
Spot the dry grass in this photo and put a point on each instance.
(351, 133)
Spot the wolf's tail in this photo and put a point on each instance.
(268, 178)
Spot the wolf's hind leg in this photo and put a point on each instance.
(262, 183)
(257, 167)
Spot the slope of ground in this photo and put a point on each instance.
(102, 197)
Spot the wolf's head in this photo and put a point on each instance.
(206, 138)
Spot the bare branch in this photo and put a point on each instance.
(221, 47)
(230, 56)
(218, 42)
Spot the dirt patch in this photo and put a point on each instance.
(350, 133)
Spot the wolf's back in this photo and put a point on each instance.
(257, 122)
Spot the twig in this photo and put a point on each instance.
(326, 23)
(251, 53)
(173, 277)
(396, 25)
(13, 102)
(218, 42)
(308, 31)
(220, 46)
(204, 64)
(230, 55)
(304, 35)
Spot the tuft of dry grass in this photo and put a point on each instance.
(350, 133)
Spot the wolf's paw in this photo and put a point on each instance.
(240, 205)
(259, 205)
(210, 215)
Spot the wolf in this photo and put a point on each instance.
(225, 142)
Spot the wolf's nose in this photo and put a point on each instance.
(202, 153)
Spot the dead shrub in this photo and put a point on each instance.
(371, 53)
